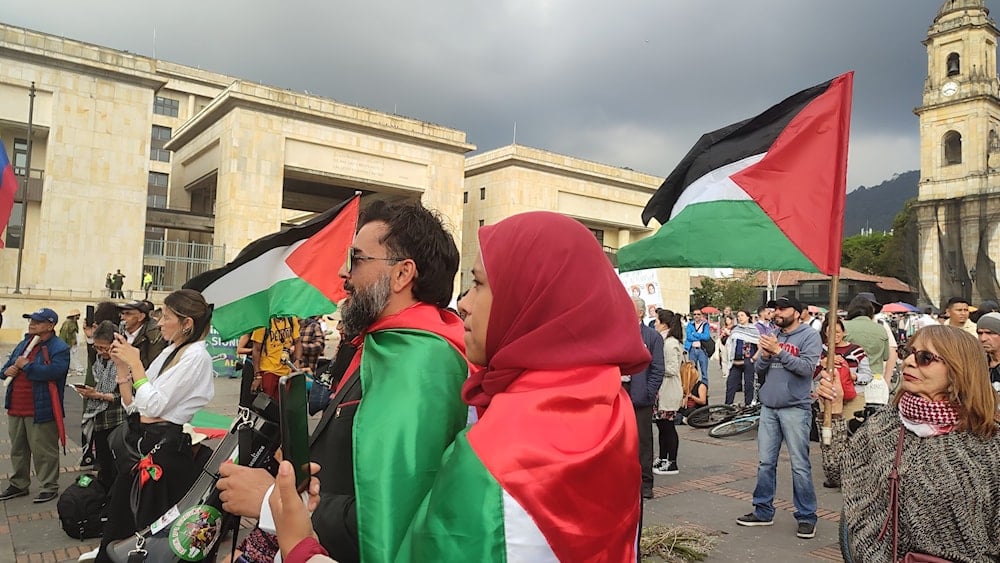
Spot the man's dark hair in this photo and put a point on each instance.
(955, 300)
(106, 311)
(761, 309)
(860, 307)
(418, 233)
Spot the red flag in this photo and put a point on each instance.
(8, 186)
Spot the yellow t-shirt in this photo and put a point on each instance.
(283, 333)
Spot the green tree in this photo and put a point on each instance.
(737, 293)
(708, 293)
(864, 252)
(732, 292)
(899, 255)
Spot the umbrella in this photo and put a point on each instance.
(709, 309)
(815, 309)
(899, 307)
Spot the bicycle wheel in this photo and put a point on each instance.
(710, 415)
(734, 427)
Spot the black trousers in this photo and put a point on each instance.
(644, 422)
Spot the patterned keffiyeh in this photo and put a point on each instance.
(927, 418)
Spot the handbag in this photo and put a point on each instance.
(892, 518)
(124, 450)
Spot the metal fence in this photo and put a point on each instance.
(174, 262)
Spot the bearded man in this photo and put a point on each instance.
(398, 406)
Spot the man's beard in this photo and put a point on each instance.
(783, 321)
(366, 305)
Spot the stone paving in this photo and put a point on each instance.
(714, 487)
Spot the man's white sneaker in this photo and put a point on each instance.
(89, 556)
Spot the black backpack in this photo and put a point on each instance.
(83, 510)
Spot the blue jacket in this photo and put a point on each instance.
(790, 373)
(691, 334)
(40, 373)
(646, 383)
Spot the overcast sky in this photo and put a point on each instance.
(627, 82)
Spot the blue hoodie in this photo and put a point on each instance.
(790, 372)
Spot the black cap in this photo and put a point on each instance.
(871, 298)
(137, 305)
(785, 302)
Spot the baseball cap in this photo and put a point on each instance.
(871, 297)
(785, 302)
(134, 304)
(44, 315)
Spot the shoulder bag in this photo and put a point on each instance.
(892, 518)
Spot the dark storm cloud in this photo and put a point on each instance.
(630, 83)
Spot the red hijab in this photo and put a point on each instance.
(557, 304)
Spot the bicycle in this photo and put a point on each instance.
(711, 415)
(747, 420)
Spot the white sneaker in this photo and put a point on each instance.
(89, 556)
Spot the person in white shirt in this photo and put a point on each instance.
(160, 400)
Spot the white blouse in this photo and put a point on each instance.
(181, 391)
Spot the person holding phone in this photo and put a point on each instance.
(103, 411)
(398, 407)
(160, 400)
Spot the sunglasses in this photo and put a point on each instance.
(923, 358)
(353, 259)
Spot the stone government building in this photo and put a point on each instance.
(147, 165)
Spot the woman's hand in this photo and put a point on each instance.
(124, 354)
(831, 389)
(291, 516)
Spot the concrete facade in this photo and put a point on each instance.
(131, 155)
(958, 204)
(608, 200)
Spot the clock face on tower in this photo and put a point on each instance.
(949, 88)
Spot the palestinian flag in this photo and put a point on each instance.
(290, 273)
(549, 472)
(765, 193)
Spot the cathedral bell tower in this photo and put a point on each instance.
(959, 192)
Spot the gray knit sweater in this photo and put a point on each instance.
(949, 492)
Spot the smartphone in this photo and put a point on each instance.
(294, 422)
(79, 385)
(89, 319)
(122, 330)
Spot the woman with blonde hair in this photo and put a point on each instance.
(922, 475)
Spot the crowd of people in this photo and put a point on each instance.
(479, 432)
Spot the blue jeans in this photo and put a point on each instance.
(700, 359)
(791, 425)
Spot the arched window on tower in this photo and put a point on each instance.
(954, 65)
(952, 148)
(993, 150)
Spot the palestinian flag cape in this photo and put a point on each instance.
(412, 369)
(765, 193)
(544, 475)
(292, 273)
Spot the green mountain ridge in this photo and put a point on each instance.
(875, 207)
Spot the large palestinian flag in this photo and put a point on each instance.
(764, 193)
(549, 472)
(290, 273)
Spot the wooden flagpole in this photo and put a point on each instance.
(831, 356)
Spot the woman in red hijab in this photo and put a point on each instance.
(550, 469)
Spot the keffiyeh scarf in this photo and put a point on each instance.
(927, 418)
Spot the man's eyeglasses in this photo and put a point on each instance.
(353, 258)
(923, 358)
